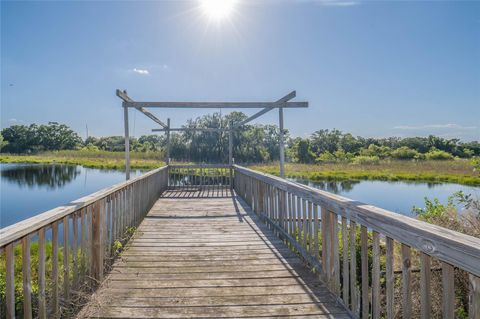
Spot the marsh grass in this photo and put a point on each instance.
(453, 171)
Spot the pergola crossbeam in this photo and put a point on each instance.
(265, 106)
(278, 103)
(128, 101)
(218, 105)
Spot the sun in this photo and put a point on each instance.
(217, 9)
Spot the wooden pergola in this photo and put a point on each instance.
(265, 107)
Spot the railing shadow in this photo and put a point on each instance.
(310, 281)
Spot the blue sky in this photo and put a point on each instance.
(372, 68)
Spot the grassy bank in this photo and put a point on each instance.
(93, 159)
(453, 171)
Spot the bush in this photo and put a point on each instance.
(435, 154)
(404, 153)
(375, 150)
(326, 157)
(366, 160)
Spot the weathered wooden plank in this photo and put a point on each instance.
(425, 279)
(345, 269)
(10, 281)
(406, 282)
(27, 281)
(474, 297)
(171, 263)
(376, 275)
(448, 299)
(364, 270)
(55, 300)
(390, 278)
(66, 268)
(355, 306)
(42, 302)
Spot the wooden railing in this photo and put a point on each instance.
(199, 176)
(72, 246)
(379, 264)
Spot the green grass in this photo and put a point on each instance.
(93, 159)
(452, 171)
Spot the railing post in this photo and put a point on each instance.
(97, 240)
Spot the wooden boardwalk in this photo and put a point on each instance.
(206, 255)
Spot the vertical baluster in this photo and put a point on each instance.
(326, 245)
(27, 285)
(66, 284)
(335, 259)
(353, 268)
(474, 297)
(311, 248)
(55, 301)
(346, 275)
(83, 253)
(42, 308)
(75, 249)
(425, 279)
(364, 266)
(315, 232)
(448, 301)
(299, 220)
(376, 276)
(305, 223)
(390, 278)
(10, 280)
(406, 282)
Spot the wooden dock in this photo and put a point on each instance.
(206, 255)
(225, 241)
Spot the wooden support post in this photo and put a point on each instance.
(168, 143)
(282, 145)
(127, 141)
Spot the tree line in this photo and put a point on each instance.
(254, 143)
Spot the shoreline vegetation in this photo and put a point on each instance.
(459, 171)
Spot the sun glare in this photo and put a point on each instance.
(217, 9)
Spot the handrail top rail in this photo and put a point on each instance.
(25, 227)
(199, 166)
(450, 246)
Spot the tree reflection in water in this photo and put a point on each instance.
(336, 187)
(49, 176)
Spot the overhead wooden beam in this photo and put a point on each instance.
(217, 105)
(124, 96)
(277, 103)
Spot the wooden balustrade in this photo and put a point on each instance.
(90, 229)
(359, 250)
(185, 176)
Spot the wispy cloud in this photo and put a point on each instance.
(447, 126)
(332, 3)
(141, 71)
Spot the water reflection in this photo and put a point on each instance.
(336, 187)
(49, 176)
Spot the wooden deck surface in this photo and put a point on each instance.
(206, 255)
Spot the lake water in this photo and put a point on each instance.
(398, 197)
(26, 190)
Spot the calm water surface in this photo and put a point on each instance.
(26, 189)
(398, 197)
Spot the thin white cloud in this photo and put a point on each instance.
(141, 71)
(332, 3)
(435, 126)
